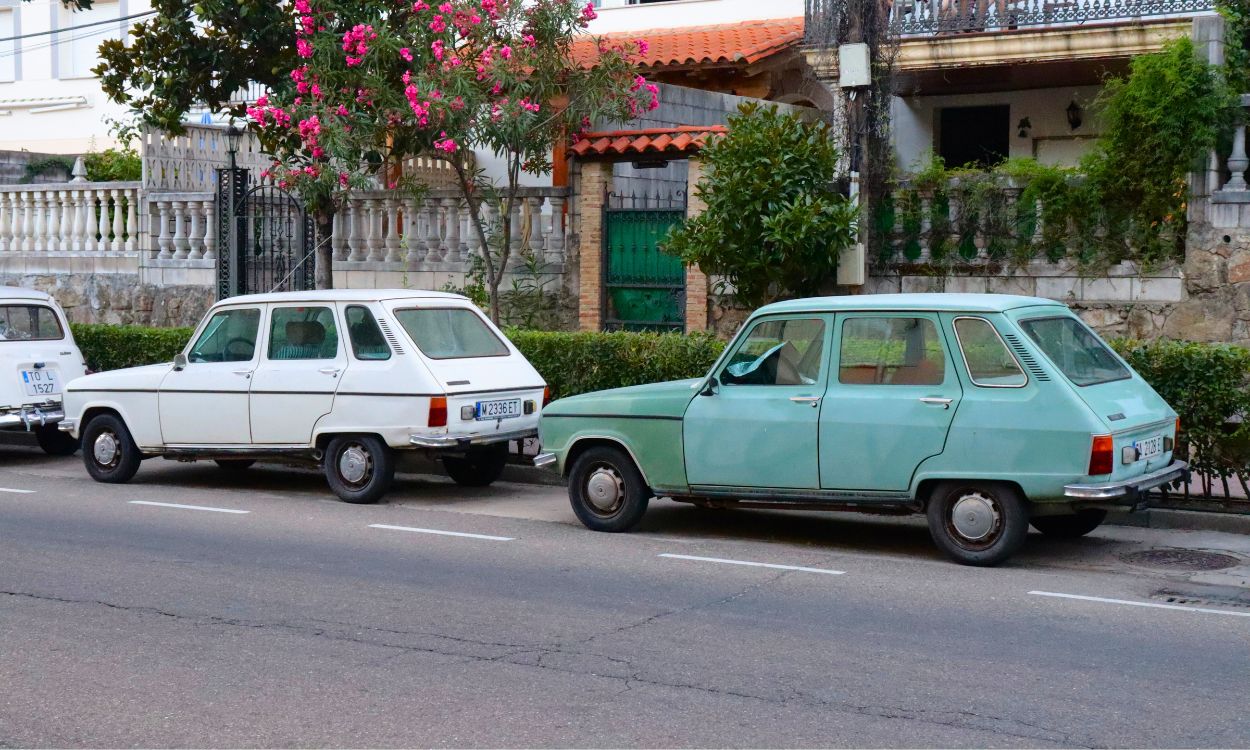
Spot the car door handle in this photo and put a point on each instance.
(945, 403)
(329, 371)
(813, 400)
(243, 373)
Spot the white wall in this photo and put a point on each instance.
(55, 66)
(1050, 139)
(616, 15)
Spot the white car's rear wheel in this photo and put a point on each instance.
(109, 452)
(359, 468)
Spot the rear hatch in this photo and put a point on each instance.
(491, 388)
(37, 355)
(1137, 418)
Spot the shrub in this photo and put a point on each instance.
(111, 347)
(114, 165)
(574, 363)
(1206, 384)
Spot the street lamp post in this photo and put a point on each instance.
(230, 182)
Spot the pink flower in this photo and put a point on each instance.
(419, 6)
(406, 54)
(445, 144)
(437, 48)
(342, 111)
(438, 25)
(505, 52)
(643, 46)
(529, 41)
(343, 179)
(445, 8)
(303, 6)
(303, 48)
(588, 13)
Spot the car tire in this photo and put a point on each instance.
(607, 490)
(1070, 526)
(109, 452)
(359, 468)
(234, 464)
(977, 523)
(479, 467)
(54, 442)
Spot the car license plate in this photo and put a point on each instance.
(40, 383)
(1149, 448)
(503, 409)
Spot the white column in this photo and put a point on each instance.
(28, 222)
(161, 216)
(451, 207)
(355, 243)
(102, 245)
(555, 240)
(68, 209)
(196, 238)
(210, 229)
(1237, 160)
(181, 245)
(373, 214)
(132, 220)
(392, 230)
(54, 222)
(338, 244)
(119, 223)
(78, 200)
(411, 238)
(41, 235)
(433, 238)
(6, 224)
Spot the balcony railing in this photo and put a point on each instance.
(929, 17)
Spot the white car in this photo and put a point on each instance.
(341, 378)
(37, 357)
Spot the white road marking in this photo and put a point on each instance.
(773, 566)
(439, 532)
(188, 507)
(1151, 605)
(17, 492)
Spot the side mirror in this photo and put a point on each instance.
(180, 362)
(710, 387)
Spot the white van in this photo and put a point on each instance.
(37, 356)
(342, 378)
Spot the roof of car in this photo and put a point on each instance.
(17, 292)
(939, 302)
(342, 295)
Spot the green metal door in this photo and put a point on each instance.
(645, 289)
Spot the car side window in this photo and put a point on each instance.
(365, 335)
(778, 352)
(891, 351)
(230, 336)
(303, 333)
(29, 323)
(990, 364)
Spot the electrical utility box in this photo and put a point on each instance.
(854, 66)
(851, 266)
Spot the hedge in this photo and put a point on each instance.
(571, 363)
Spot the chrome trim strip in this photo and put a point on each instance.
(31, 417)
(612, 416)
(451, 441)
(781, 494)
(544, 460)
(1127, 487)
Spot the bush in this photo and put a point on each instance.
(114, 165)
(1206, 384)
(111, 347)
(574, 363)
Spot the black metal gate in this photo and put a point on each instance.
(268, 239)
(644, 288)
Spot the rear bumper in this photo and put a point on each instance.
(1130, 489)
(451, 442)
(30, 417)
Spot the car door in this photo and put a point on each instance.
(757, 426)
(300, 369)
(890, 403)
(206, 402)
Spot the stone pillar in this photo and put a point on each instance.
(592, 191)
(696, 280)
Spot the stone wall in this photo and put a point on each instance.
(119, 298)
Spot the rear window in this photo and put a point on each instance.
(1075, 350)
(451, 333)
(29, 323)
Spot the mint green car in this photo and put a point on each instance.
(987, 413)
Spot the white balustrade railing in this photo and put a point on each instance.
(181, 226)
(72, 218)
(1229, 185)
(390, 228)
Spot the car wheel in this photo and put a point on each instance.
(479, 467)
(607, 491)
(235, 464)
(977, 523)
(359, 468)
(54, 442)
(1070, 526)
(109, 452)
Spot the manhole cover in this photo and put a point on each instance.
(1180, 559)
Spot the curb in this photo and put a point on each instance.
(1183, 520)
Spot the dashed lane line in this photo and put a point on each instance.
(440, 532)
(1129, 603)
(748, 563)
(188, 507)
(16, 491)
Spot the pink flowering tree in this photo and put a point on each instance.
(382, 80)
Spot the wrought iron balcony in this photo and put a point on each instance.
(929, 17)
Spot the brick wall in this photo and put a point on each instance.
(593, 184)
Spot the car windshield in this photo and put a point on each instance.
(1075, 350)
(450, 333)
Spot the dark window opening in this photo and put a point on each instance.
(980, 136)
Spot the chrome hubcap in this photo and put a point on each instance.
(974, 516)
(105, 448)
(354, 465)
(605, 489)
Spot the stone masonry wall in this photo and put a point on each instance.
(119, 298)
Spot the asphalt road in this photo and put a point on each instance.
(304, 622)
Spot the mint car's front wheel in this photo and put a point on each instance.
(607, 490)
(977, 523)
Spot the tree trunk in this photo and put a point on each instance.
(324, 252)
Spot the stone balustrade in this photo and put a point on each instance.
(182, 226)
(70, 218)
(391, 231)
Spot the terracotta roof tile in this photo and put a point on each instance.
(741, 43)
(682, 140)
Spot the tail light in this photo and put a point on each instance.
(438, 411)
(1101, 455)
(1178, 427)
(547, 398)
